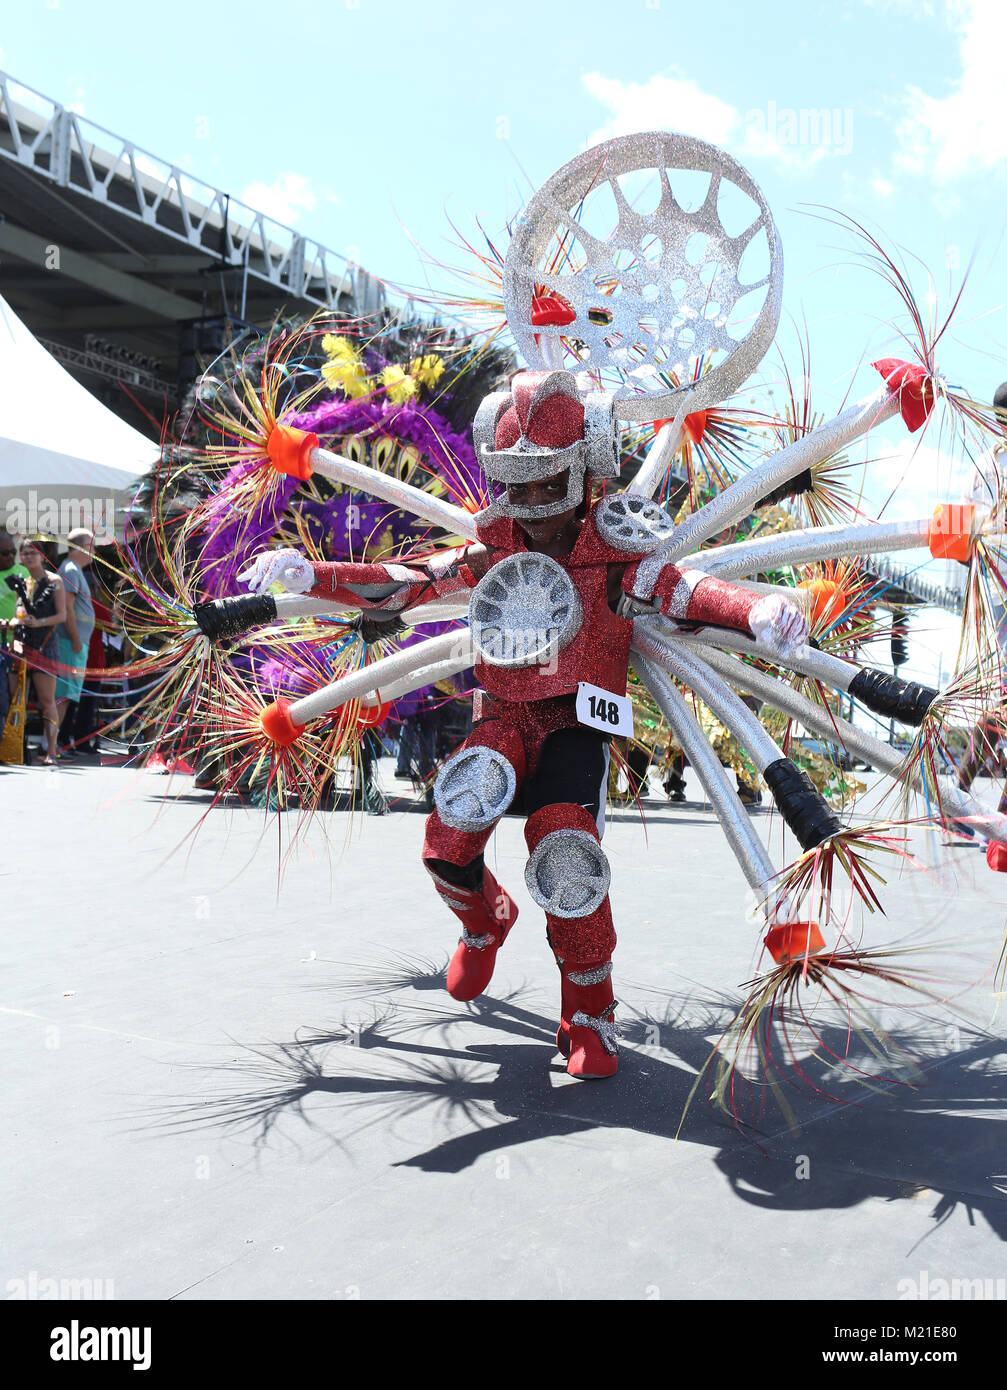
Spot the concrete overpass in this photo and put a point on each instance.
(130, 268)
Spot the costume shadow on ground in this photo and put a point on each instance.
(938, 1140)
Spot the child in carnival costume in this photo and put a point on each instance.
(546, 589)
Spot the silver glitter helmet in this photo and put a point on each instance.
(542, 427)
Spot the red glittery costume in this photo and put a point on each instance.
(530, 719)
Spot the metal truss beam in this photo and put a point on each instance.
(63, 148)
(43, 254)
(99, 364)
(906, 581)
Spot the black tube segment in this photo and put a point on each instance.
(800, 804)
(373, 629)
(794, 487)
(891, 696)
(229, 617)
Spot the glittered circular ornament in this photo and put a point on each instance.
(651, 293)
(523, 611)
(474, 789)
(632, 523)
(568, 874)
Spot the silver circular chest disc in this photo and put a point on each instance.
(524, 611)
(631, 523)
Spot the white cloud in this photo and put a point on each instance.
(883, 187)
(791, 138)
(962, 132)
(916, 476)
(663, 102)
(284, 199)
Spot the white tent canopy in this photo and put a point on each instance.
(65, 459)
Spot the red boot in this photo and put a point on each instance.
(996, 856)
(586, 1035)
(486, 919)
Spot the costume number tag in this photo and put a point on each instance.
(600, 709)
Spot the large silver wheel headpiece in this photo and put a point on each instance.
(523, 611)
(653, 293)
(474, 789)
(568, 874)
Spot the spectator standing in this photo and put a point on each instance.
(46, 612)
(674, 781)
(74, 636)
(418, 745)
(80, 725)
(9, 569)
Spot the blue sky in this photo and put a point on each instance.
(367, 123)
(360, 119)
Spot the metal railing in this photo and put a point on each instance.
(905, 578)
(102, 364)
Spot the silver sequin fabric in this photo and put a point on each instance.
(590, 977)
(476, 943)
(632, 523)
(474, 789)
(604, 1027)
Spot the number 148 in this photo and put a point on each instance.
(605, 711)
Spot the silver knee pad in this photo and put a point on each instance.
(474, 788)
(568, 874)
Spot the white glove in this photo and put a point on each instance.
(778, 625)
(286, 567)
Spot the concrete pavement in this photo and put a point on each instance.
(219, 1085)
